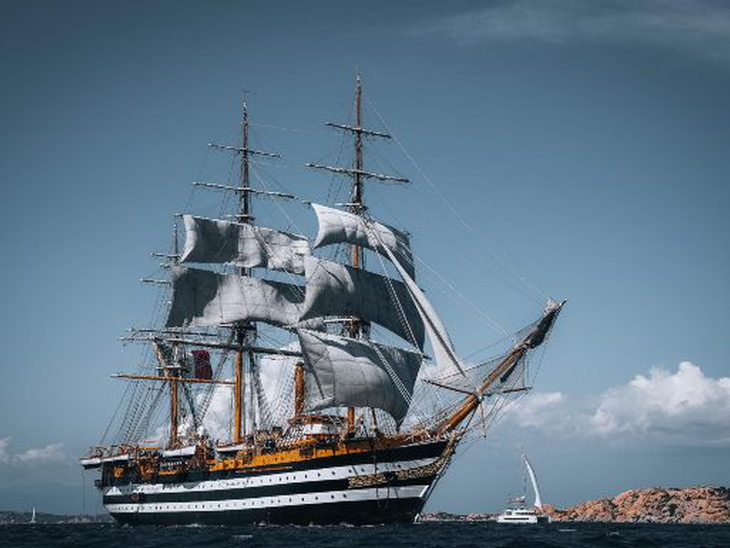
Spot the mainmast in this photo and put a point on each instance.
(357, 206)
(357, 327)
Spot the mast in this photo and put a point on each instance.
(173, 411)
(299, 389)
(243, 331)
(238, 389)
(357, 207)
(356, 327)
(357, 176)
(244, 216)
(171, 373)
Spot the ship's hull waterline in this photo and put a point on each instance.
(372, 487)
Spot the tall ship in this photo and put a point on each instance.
(296, 380)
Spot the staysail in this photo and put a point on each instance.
(345, 372)
(338, 290)
(443, 348)
(246, 245)
(336, 226)
(204, 298)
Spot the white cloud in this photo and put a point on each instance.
(49, 453)
(5, 456)
(538, 409)
(701, 27)
(683, 407)
(53, 452)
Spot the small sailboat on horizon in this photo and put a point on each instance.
(32, 518)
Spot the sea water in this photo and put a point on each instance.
(429, 534)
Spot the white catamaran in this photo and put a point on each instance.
(517, 512)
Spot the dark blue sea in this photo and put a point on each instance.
(452, 535)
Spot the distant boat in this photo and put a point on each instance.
(517, 512)
(32, 518)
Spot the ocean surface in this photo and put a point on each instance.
(447, 534)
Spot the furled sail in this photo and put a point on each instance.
(204, 298)
(216, 241)
(338, 290)
(512, 380)
(345, 372)
(336, 226)
(443, 348)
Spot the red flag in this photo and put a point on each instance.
(203, 370)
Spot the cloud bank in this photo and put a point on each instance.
(698, 27)
(682, 408)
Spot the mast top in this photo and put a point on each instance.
(357, 172)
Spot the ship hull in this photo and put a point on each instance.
(369, 512)
(385, 486)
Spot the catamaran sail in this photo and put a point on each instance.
(533, 480)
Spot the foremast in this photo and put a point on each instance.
(243, 330)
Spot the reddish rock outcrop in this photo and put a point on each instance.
(654, 505)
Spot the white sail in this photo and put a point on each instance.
(216, 241)
(443, 348)
(533, 479)
(336, 226)
(204, 298)
(338, 290)
(345, 372)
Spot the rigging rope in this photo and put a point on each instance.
(468, 227)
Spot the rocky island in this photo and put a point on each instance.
(653, 505)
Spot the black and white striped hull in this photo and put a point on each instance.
(383, 487)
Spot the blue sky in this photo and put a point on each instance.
(584, 145)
